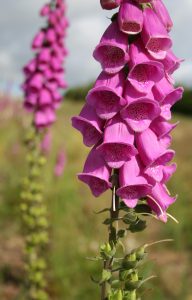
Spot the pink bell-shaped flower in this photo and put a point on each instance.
(44, 56)
(144, 71)
(171, 62)
(45, 97)
(151, 150)
(45, 11)
(51, 35)
(96, 174)
(133, 185)
(118, 143)
(155, 171)
(44, 117)
(112, 51)
(106, 96)
(30, 67)
(165, 141)
(154, 35)
(163, 14)
(38, 40)
(130, 17)
(89, 124)
(139, 112)
(167, 96)
(168, 172)
(36, 82)
(159, 200)
(162, 127)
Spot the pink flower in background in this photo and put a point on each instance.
(134, 96)
(60, 163)
(46, 143)
(44, 74)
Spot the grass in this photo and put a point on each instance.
(76, 231)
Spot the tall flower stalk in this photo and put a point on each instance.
(44, 82)
(126, 120)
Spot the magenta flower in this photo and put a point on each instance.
(163, 14)
(162, 127)
(133, 185)
(60, 163)
(112, 51)
(118, 143)
(167, 96)
(96, 174)
(150, 149)
(171, 62)
(154, 35)
(131, 104)
(144, 71)
(140, 111)
(44, 117)
(89, 124)
(130, 17)
(44, 73)
(106, 96)
(46, 143)
(159, 200)
(110, 4)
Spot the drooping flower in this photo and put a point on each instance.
(118, 143)
(130, 17)
(159, 200)
(144, 71)
(163, 14)
(96, 173)
(154, 35)
(89, 124)
(112, 51)
(106, 96)
(140, 111)
(133, 185)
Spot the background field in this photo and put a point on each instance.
(76, 231)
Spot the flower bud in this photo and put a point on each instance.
(110, 4)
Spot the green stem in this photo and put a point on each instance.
(114, 214)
